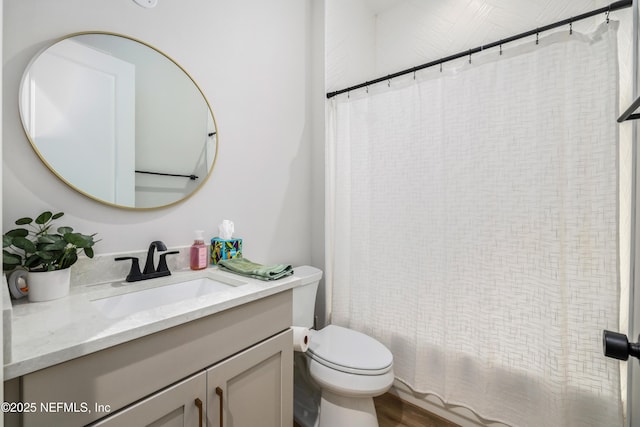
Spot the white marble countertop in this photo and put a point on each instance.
(48, 333)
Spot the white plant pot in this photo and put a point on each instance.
(48, 285)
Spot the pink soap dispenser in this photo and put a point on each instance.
(198, 252)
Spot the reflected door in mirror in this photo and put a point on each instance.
(95, 120)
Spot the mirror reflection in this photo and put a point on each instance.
(118, 121)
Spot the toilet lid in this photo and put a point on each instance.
(349, 351)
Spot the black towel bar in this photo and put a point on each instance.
(191, 177)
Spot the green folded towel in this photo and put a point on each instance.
(247, 268)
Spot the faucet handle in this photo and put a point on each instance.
(162, 263)
(134, 274)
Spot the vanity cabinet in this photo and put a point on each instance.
(252, 388)
(179, 405)
(244, 354)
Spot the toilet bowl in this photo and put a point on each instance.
(343, 367)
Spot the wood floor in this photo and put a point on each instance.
(394, 412)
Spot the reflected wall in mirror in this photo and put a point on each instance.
(118, 121)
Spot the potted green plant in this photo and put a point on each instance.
(46, 254)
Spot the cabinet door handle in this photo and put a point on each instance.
(199, 405)
(219, 393)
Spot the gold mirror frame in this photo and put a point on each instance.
(211, 136)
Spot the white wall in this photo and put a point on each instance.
(1, 180)
(350, 43)
(250, 57)
(316, 114)
(367, 39)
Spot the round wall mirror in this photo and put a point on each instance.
(118, 120)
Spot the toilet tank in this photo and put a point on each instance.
(304, 296)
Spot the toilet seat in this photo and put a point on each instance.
(349, 351)
(349, 385)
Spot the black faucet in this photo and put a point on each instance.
(150, 271)
(148, 265)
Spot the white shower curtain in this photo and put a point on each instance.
(472, 228)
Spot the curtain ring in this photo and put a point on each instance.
(500, 48)
(389, 83)
(537, 36)
(608, 11)
(441, 67)
(469, 56)
(570, 27)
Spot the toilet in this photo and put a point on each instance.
(341, 371)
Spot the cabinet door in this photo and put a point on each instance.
(182, 404)
(254, 387)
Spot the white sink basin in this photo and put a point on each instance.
(133, 302)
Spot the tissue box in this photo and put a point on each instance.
(225, 249)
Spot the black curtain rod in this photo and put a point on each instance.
(613, 6)
(191, 177)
